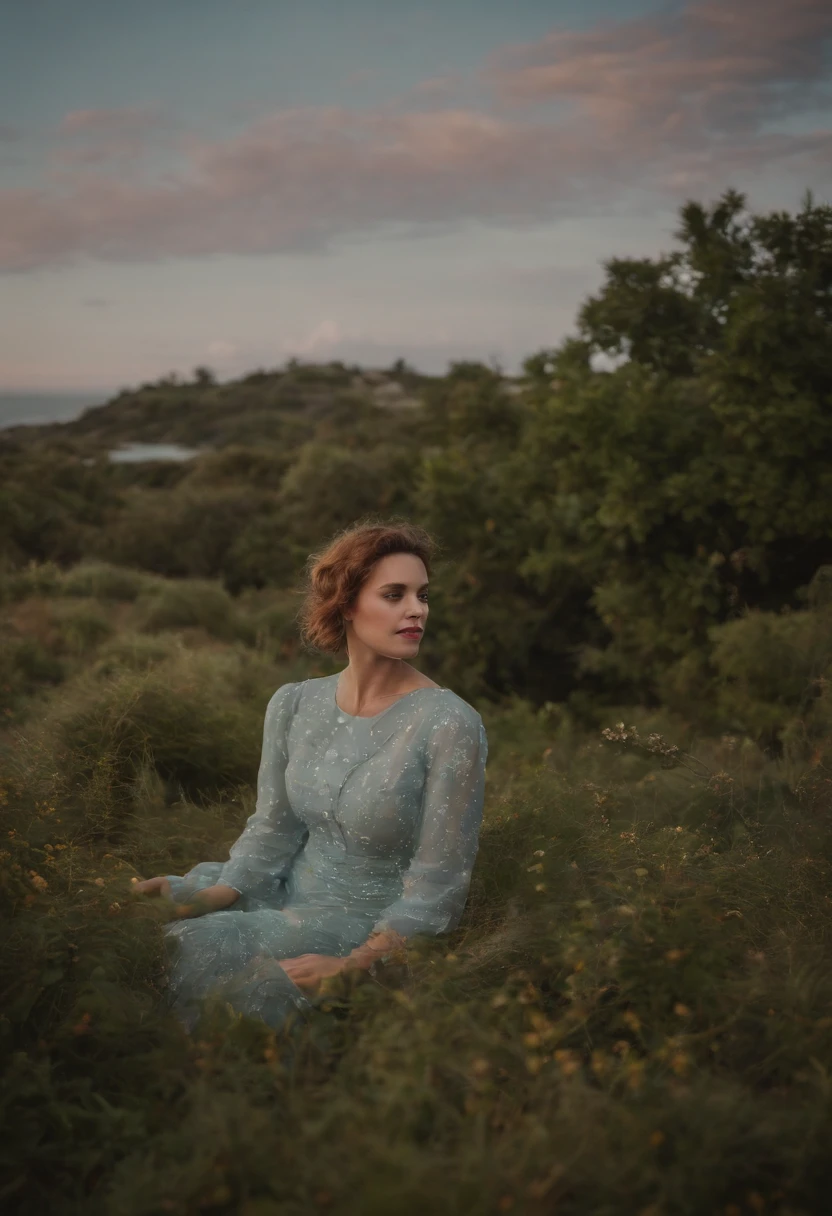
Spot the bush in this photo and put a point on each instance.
(186, 532)
(36, 578)
(633, 1015)
(194, 718)
(131, 651)
(191, 604)
(83, 630)
(103, 581)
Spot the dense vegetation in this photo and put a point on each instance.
(635, 590)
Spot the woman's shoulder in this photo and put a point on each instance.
(447, 706)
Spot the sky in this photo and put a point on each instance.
(193, 182)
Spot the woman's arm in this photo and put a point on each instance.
(379, 947)
(209, 899)
(436, 883)
(263, 854)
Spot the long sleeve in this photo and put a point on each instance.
(264, 853)
(436, 883)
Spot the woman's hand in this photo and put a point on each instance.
(307, 970)
(209, 899)
(151, 886)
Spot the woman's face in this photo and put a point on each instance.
(393, 601)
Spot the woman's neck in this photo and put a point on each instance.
(370, 684)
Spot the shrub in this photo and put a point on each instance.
(189, 717)
(103, 581)
(36, 578)
(191, 604)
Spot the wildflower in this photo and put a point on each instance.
(568, 1061)
(39, 883)
(657, 1138)
(528, 995)
(599, 1063)
(680, 1063)
(635, 1074)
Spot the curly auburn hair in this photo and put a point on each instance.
(336, 574)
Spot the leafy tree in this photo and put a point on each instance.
(695, 481)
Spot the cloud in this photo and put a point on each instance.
(712, 67)
(118, 135)
(221, 349)
(9, 134)
(117, 121)
(96, 302)
(324, 336)
(667, 104)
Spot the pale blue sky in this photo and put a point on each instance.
(196, 182)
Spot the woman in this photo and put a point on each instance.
(369, 801)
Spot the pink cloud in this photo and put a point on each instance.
(119, 121)
(713, 65)
(668, 103)
(95, 137)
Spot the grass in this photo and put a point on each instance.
(634, 1017)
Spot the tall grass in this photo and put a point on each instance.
(634, 1016)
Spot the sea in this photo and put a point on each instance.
(29, 409)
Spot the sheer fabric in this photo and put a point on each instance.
(360, 824)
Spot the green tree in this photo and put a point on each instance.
(695, 480)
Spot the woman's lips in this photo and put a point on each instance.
(410, 633)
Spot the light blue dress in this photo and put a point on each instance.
(361, 824)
